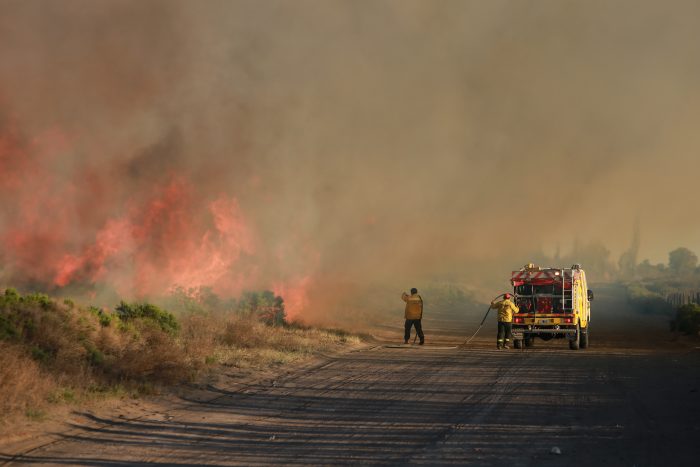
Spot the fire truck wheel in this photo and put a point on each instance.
(574, 344)
(517, 344)
(584, 338)
(529, 341)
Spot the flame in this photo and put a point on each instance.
(165, 246)
(78, 225)
(295, 295)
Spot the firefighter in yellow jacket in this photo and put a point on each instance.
(413, 315)
(506, 308)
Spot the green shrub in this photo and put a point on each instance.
(264, 306)
(7, 328)
(104, 318)
(20, 315)
(40, 299)
(11, 296)
(39, 354)
(58, 344)
(95, 356)
(145, 311)
(59, 351)
(647, 301)
(688, 319)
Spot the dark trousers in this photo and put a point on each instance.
(504, 333)
(407, 329)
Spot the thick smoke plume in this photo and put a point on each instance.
(335, 149)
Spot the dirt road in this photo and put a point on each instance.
(632, 399)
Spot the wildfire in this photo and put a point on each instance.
(78, 226)
(296, 296)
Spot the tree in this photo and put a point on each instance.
(646, 270)
(682, 261)
(264, 305)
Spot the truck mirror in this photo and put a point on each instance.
(590, 295)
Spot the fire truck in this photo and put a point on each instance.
(555, 303)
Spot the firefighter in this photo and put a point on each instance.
(413, 315)
(506, 308)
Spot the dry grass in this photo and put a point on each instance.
(24, 387)
(148, 355)
(199, 337)
(59, 353)
(248, 343)
(56, 353)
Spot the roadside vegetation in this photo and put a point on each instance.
(688, 319)
(55, 352)
(671, 289)
(648, 297)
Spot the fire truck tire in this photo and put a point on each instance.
(574, 344)
(529, 341)
(584, 338)
(517, 344)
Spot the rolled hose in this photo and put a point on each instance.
(468, 340)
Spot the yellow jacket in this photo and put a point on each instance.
(414, 306)
(506, 308)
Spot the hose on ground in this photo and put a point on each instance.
(469, 339)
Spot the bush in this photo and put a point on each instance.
(151, 355)
(647, 301)
(130, 312)
(243, 332)
(84, 348)
(264, 305)
(104, 317)
(60, 351)
(199, 336)
(40, 299)
(23, 385)
(688, 319)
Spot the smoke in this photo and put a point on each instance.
(329, 149)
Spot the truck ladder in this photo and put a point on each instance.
(568, 296)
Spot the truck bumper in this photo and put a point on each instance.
(521, 332)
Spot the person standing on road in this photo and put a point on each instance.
(506, 308)
(413, 315)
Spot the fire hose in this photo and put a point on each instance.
(468, 340)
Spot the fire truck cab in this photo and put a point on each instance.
(555, 303)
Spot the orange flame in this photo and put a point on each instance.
(71, 224)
